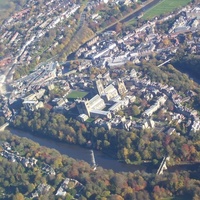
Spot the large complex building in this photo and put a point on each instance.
(106, 93)
(88, 106)
(94, 107)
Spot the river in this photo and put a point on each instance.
(135, 14)
(102, 160)
(81, 153)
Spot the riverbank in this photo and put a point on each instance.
(137, 12)
(102, 160)
(80, 153)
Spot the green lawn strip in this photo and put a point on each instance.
(90, 120)
(76, 94)
(163, 7)
(175, 198)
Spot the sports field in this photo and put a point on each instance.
(164, 6)
(76, 95)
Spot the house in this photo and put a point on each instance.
(170, 131)
(100, 113)
(83, 117)
(148, 123)
(161, 100)
(196, 126)
(102, 123)
(43, 188)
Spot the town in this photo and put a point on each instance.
(106, 95)
(102, 98)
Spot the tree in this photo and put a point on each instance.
(166, 42)
(115, 197)
(135, 110)
(118, 27)
(2, 121)
(18, 196)
(31, 187)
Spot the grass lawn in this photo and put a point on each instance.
(175, 198)
(90, 120)
(4, 9)
(164, 6)
(76, 95)
(4, 4)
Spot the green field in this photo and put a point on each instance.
(76, 95)
(6, 7)
(4, 4)
(163, 7)
(175, 198)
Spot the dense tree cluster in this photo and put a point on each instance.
(189, 64)
(132, 147)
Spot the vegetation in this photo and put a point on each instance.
(2, 120)
(76, 94)
(134, 146)
(18, 182)
(131, 147)
(163, 7)
(81, 36)
(9, 6)
(189, 64)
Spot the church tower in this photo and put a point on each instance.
(99, 87)
(121, 87)
(83, 107)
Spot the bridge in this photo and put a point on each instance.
(94, 165)
(165, 62)
(163, 165)
(2, 128)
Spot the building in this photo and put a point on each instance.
(148, 123)
(83, 117)
(87, 106)
(110, 92)
(101, 114)
(121, 87)
(83, 107)
(99, 87)
(33, 104)
(107, 93)
(161, 100)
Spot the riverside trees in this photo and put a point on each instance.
(127, 146)
(18, 182)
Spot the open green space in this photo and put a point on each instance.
(90, 120)
(6, 7)
(3, 3)
(163, 7)
(76, 94)
(175, 198)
